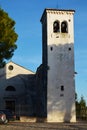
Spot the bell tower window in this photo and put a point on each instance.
(56, 27)
(64, 27)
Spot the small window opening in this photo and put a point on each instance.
(64, 27)
(61, 95)
(69, 48)
(10, 67)
(69, 20)
(62, 88)
(51, 48)
(56, 27)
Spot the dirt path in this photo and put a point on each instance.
(43, 126)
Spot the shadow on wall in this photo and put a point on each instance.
(30, 94)
(55, 84)
(2, 78)
(19, 94)
(61, 84)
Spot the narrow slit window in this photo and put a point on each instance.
(62, 88)
(51, 48)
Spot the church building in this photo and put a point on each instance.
(48, 94)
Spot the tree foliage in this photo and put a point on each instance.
(81, 109)
(8, 37)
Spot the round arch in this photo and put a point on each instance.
(56, 26)
(64, 27)
(10, 88)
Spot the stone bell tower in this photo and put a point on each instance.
(58, 62)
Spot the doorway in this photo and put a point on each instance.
(10, 105)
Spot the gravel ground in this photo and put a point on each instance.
(43, 126)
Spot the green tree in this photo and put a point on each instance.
(8, 37)
(82, 102)
(81, 109)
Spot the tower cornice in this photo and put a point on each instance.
(57, 11)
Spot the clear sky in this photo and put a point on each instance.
(27, 14)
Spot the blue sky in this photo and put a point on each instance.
(27, 16)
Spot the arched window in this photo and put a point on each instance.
(56, 27)
(64, 27)
(10, 88)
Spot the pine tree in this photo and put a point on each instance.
(8, 37)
